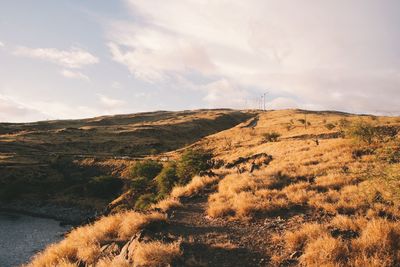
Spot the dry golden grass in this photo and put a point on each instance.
(83, 243)
(65, 263)
(194, 187)
(378, 244)
(361, 191)
(225, 245)
(325, 251)
(375, 243)
(295, 241)
(324, 176)
(167, 204)
(156, 253)
(113, 261)
(346, 223)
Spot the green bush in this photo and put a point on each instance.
(139, 184)
(144, 201)
(166, 179)
(363, 132)
(191, 163)
(104, 186)
(147, 169)
(271, 137)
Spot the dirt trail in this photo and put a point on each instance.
(217, 242)
(220, 242)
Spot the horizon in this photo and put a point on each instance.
(74, 60)
(200, 109)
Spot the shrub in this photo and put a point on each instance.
(271, 137)
(156, 253)
(302, 121)
(144, 201)
(289, 126)
(343, 123)
(192, 163)
(362, 131)
(148, 169)
(166, 179)
(389, 179)
(104, 186)
(139, 184)
(393, 156)
(330, 126)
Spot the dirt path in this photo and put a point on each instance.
(209, 243)
(220, 242)
(217, 242)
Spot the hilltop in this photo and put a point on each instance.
(284, 188)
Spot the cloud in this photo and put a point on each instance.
(222, 93)
(110, 103)
(74, 75)
(1, 44)
(16, 109)
(12, 110)
(74, 58)
(282, 103)
(322, 55)
(116, 85)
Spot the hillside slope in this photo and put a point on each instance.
(40, 163)
(288, 188)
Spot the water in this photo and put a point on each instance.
(22, 236)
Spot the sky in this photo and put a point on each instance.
(70, 59)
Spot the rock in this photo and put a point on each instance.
(127, 249)
(110, 249)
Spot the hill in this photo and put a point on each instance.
(45, 166)
(285, 188)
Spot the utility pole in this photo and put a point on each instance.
(305, 120)
(265, 100)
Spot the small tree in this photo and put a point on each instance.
(191, 163)
(166, 179)
(147, 169)
(139, 184)
(271, 137)
(330, 126)
(363, 132)
(144, 201)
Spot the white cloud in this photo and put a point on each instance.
(74, 75)
(111, 103)
(74, 58)
(324, 54)
(221, 93)
(12, 110)
(282, 103)
(116, 85)
(1, 44)
(17, 109)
